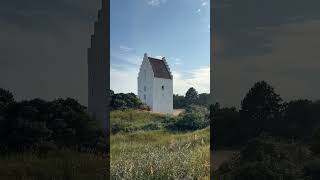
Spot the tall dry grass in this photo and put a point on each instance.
(159, 154)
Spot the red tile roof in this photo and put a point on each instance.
(159, 68)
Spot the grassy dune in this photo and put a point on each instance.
(157, 154)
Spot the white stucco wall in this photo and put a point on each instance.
(162, 98)
(158, 99)
(145, 82)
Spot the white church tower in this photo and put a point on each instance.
(155, 84)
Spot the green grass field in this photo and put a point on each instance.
(144, 149)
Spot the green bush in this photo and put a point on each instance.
(266, 158)
(123, 101)
(195, 117)
(43, 125)
(189, 122)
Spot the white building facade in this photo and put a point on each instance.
(155, 84)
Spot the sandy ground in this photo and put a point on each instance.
(176, 112)
(218, 157)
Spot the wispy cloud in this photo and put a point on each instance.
(199, 79)
(125, 55)
(156, 2)
(203, 7)
(123, 80)
(153, 2)
(175, 61)
(125, 48)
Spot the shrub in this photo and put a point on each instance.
(123, 101)
(152, 126)
(265, 158)
(42, 126)
(197, 109)
(189, 121)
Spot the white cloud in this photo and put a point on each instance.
(177, 61)
(203, 6)
(124, 81)
(127, 57)
(174, 61)
(159, 57)
(156, 2)
(199, 79)
(125, 48)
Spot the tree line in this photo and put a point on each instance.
(191, 97)
(131, 101)
(39, 125)
(276, 139)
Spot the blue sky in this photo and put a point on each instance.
(176, 29)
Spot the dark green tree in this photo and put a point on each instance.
(6, 98)
(226, 125)
(298, 120)
(120, 101)
(179, 102)
(191, 96)
(260, 109)
(204, 99)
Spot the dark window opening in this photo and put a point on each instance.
(162, 87)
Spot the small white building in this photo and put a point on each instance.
(155, 84)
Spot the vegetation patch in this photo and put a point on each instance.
(151, 150)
